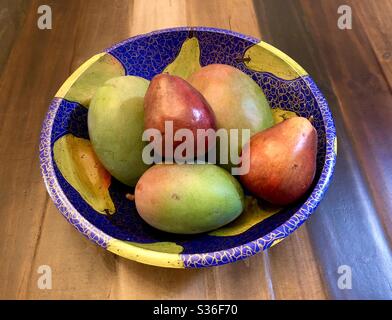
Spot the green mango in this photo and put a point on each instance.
(115, 125)
(84, 82)
(187, 61)
(188, 198)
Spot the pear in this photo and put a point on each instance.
(172, 99)
(281, 161)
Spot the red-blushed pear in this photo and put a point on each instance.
(170, 98)
(282, 161)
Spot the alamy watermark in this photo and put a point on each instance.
(345, 20)
(44, 281)
(45, 19)
(182, 146)
(345, 278)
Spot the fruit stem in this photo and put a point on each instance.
(130, 197)
(243, 59)
(311, 119)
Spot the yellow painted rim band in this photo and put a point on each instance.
(155, 258)
(276, 242)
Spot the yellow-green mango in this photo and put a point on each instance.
(188, 198)
(79, 165)
(115, 125)
(237, 101)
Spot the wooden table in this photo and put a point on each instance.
(353, 225)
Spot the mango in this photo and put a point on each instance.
(81, 168)
(237, 101)
(115, 125)
(188, 198)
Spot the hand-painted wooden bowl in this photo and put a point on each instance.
(95, 203)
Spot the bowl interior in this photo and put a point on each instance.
(285, 84)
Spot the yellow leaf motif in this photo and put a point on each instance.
(82, 84)
(187, 61)
(280, 115)
(81, 168)
(263, 57)
(254, 212)
(163, 254)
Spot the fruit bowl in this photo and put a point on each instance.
(96, 204)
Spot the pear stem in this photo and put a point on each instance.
(311, 119)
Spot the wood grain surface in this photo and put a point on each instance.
(12, 14)
(352, 226)
(352, 67)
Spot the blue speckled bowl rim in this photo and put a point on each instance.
(199, 259)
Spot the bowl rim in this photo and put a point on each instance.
(192, 260)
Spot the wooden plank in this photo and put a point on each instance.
(35, 233)
(352, 222)
(295, 271)
(235, 15)
(12, 14)
(365, 100)
(28, 82)
(375, 19)
(364, 104)
(80, 268)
